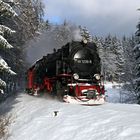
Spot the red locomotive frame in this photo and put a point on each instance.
(74, 92)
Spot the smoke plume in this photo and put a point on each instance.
(55, 37)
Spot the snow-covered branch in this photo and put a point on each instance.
(137, 47)
(4, 29)
(4, 67)
(2, 83)
(5, 8)
(4, 43)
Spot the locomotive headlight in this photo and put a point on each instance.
(97, 76)
(75, 76)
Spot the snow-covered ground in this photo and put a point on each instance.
(34, 119)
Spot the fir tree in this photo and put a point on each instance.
(137, 56)
(85, 34)
(129, 62)
(5, 10)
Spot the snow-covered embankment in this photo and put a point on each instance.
(35, 120)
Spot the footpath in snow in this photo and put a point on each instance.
(35, 119)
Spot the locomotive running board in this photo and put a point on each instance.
(75, 100)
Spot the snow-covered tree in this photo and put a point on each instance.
(62, 33)
(30, 17)
(85, 34)
(118, 51)
(137, 56)
(5, 10)
(129, 63)
(102, 53)
(108, 58)
(112, 57)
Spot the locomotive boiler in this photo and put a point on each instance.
(72, 72)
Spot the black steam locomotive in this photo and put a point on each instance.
(72, 72)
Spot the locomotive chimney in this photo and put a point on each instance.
(54, 50)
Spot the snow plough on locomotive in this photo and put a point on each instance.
(72, 72)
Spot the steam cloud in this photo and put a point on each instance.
(55, 37)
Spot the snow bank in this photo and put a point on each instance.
(35, 120)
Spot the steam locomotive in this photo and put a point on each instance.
(72, 72)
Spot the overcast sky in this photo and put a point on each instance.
(101, 17)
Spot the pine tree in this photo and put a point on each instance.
(137, 56)
(85, 34)
(112, 58)
(5, 10)
(108, 58)
(118, 51)
(29, 18)
(28, 25)
(129, 62)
